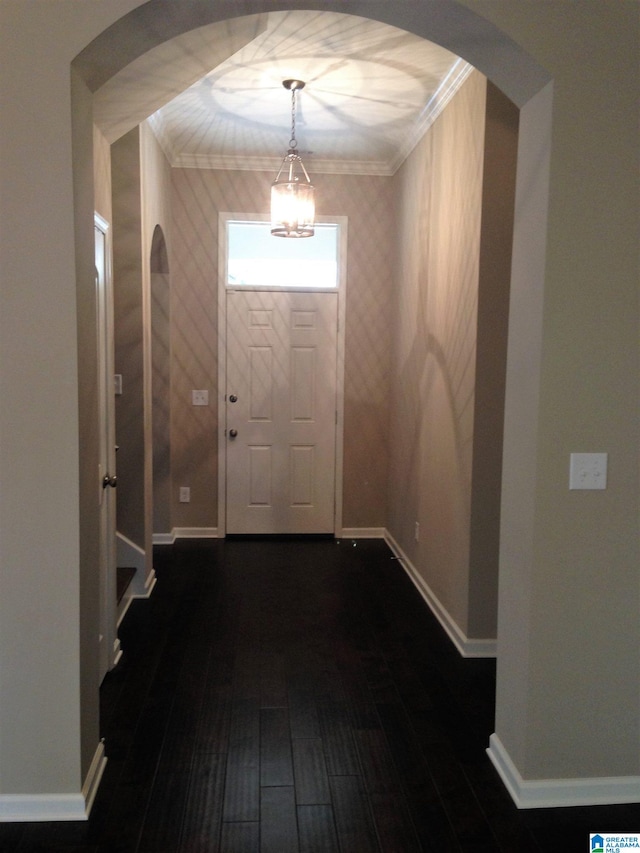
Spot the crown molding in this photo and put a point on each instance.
(433, 109)
(272, 164)
(161, 133)
(436, 105)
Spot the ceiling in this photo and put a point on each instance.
(371, 92)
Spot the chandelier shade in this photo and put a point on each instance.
(292, 193)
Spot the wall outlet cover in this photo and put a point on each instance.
(200, 398)
(588, 471)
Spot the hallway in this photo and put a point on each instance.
(282, 696)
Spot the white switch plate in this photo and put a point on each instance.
(185, 495)
(117, 383)
(588, 471)
(200, 398)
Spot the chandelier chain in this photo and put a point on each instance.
(292, 142)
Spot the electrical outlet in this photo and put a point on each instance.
(416, 532)
(185, 494)
(117, 384)
(200, 398)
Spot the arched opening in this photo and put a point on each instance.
(525, 83)
(569, 569)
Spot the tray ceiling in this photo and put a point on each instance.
(371, 92)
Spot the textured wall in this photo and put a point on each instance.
(194, 296)
(161, 381)
(199, 195)
(156, 282)
(440, 187)
(370, 205)
(102, 175)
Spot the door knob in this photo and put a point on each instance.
(108, 480)
(233, 433)
(233, 398)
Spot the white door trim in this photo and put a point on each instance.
(109, 648)
(342, 222)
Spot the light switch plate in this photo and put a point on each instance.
(588, 471)
(200, 398)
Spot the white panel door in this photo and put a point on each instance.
(281, 411)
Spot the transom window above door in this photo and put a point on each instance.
(256, 259)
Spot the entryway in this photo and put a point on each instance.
(281, 367)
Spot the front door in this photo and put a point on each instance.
(281, 411)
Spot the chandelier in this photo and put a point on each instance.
(292, 193)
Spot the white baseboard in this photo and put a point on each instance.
(185, 533)
(94, 777)
(195, 532)
(129, 554)
(468, 647)
(149, 586)
(164, 538)
(142, 584)
(27, 808)
(556, 793)
(122, 612)
(117, 650)
(361, 533)
(213, 533)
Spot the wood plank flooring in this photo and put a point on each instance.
(290, 696)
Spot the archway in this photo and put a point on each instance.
(518, 76)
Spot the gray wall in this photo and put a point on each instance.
(496, 238)
(89, 443)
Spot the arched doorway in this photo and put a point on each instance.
(525, 83)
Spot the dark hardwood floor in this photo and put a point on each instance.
(284, 695)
